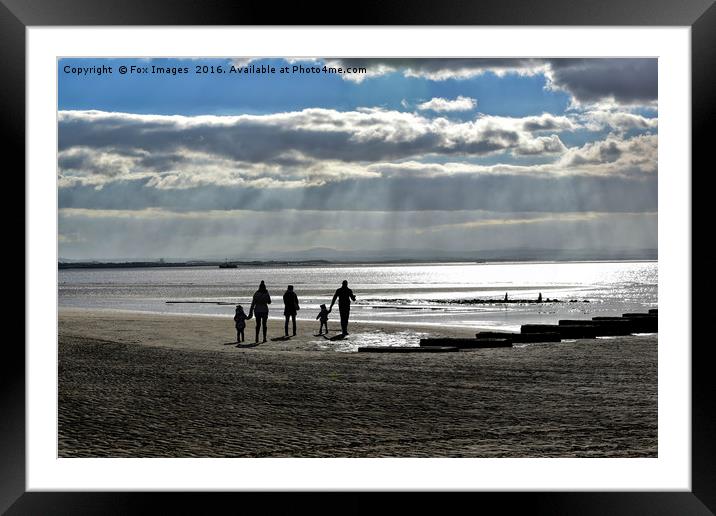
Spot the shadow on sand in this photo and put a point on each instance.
(251, 345)
(276, 339)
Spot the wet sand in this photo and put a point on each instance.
(140, 385)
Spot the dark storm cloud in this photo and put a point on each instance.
(628, 81)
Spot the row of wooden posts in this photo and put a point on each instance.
(626, 324)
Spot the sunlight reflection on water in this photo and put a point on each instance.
(373, 338)
(421, 294)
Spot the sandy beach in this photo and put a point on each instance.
(144, 385)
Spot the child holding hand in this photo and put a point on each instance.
(323, 316)
(240, 322)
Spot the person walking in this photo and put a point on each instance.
(240, 323)
(259, 308)
(344, 296)
(290, 307)
(323, 316)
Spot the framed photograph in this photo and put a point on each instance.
(429, 255)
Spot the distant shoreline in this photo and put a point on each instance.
(135, 265)
(323, 263)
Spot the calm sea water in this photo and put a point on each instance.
(402, 294)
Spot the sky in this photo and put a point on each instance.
(262, 158)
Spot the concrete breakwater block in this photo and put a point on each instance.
(468, 343)
(408, 349)
(647, 327)
(616, 321)
(625, 320)
(646, 323)
(519, 338)
(604, 328)
(653, 311)
(565, 331)
(637, 324)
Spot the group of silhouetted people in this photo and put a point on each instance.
(259, 308)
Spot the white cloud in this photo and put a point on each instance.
(613, 156)
(541, 145)
(597, 120)
(638, 154)
(292, 149)
(545, 122)
(441, 104)
(315, 147)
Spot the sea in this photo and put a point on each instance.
(420, 294)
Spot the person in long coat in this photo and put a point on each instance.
(290, 307)
(259, 308)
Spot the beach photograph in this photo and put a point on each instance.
(357, 257)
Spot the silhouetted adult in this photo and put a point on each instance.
(290, 307)
(259, 308)
(344, 296)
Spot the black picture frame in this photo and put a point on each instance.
(700, 15)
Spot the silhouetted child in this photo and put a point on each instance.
(323, 316)
(240, 320)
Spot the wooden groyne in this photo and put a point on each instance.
(408, 349)
(565, 331)
(519, 338)
(636, 324)
(600, 326)
(505, 342)
(644, 323)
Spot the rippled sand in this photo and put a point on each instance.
(135, 385)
